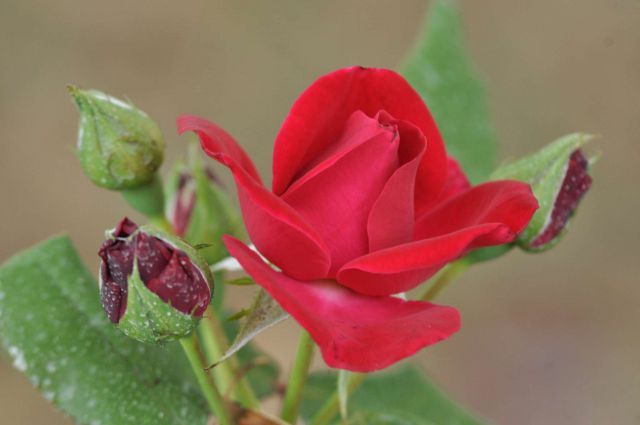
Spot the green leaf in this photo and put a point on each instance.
(264, 313)
(440, 70)
(380, 418)
(53, 326)
(403, 394)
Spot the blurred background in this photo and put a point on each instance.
(551, 338)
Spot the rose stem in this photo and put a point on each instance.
(215, 344)
(331, 406)
(214, 399)
(148, 200)
(447, 276)
(297, 379)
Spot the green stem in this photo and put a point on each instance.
(332, 405)
(208, 387)
(147, 199)
(297, 379)
(215, 343)
(444, 278)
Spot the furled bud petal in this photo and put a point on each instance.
(155, 287)
(200, 210)
(119, 146)
(559, 177)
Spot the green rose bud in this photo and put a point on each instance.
(155, 287)
(119, 146)
(199, 209)
(558, 175)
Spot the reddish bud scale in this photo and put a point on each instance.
(165, 270)
(575, 184)
(185, 198)
(184, 203)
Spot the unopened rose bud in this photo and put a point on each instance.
(199, 209)
(559, 177)
(155, 287)
(119, 146)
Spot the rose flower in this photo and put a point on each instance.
(365, 204)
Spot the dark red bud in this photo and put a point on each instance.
(165, 270)
(181, 285)
(575, 184)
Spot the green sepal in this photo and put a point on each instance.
(545, 171)
(489, 253)
(119, 146)
(149, 319)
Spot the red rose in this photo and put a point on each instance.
(365, 204)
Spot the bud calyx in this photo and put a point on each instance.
(153, 286)
(559, 177)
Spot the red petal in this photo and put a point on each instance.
(488, 214)
(335, 197)
(391, 218)
(354, 332)
(275, 228)
(358, 129)
(317, 120)
(214, 141)
(403, 267)
(457, 180)
(509, 202)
